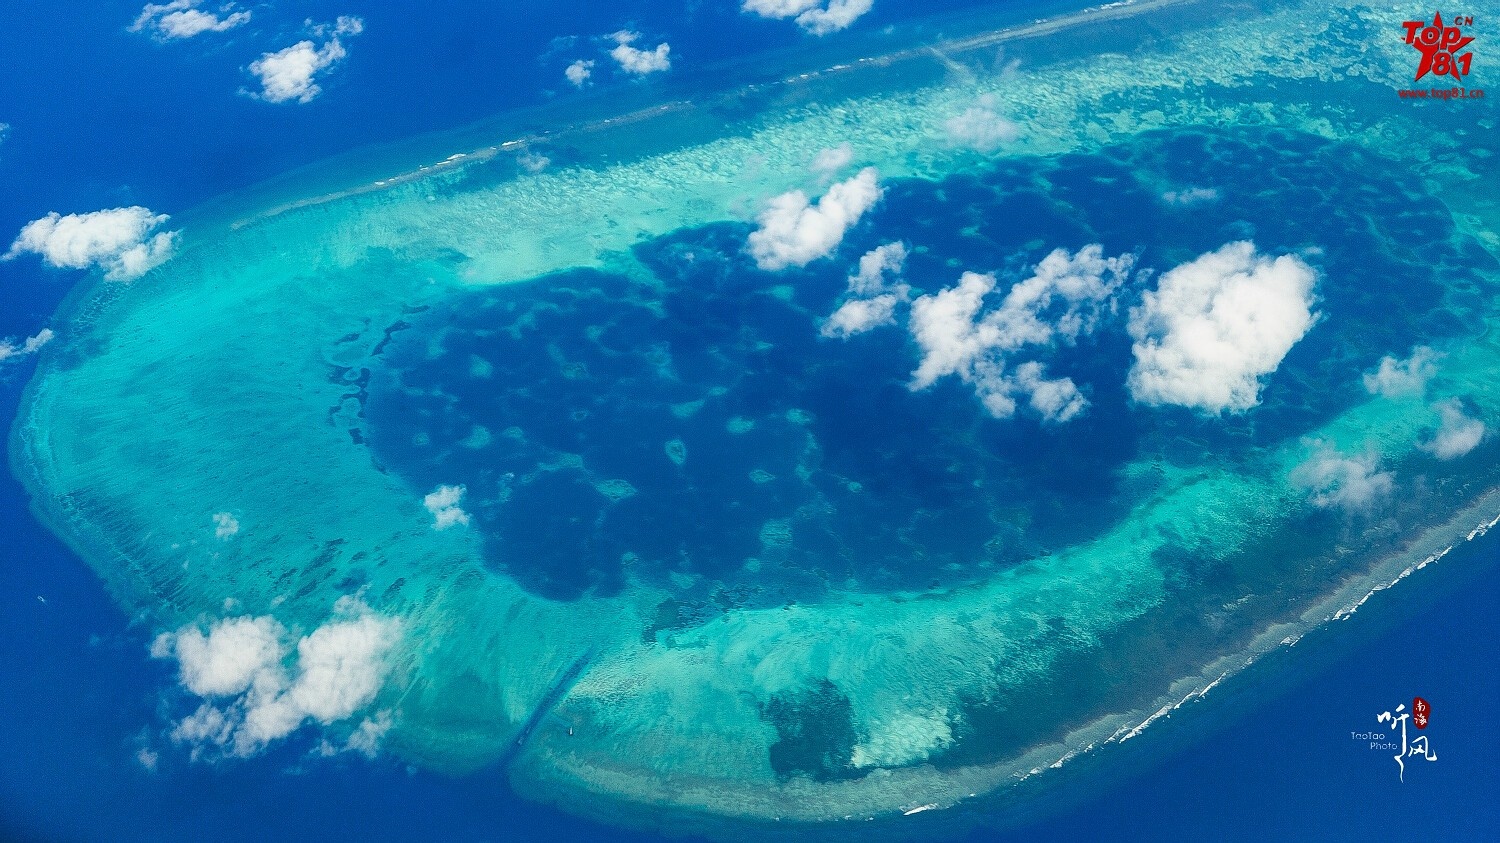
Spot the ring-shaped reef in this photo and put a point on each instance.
(713, 568)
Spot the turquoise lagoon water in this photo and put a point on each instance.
(718, 569)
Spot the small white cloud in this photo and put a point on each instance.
(443, 502)
(1338, 481)
(945, 324)
(794, 232)
(207, 725)
(872, 299)
(291, 74)
(533, 162)
(228, 659)
(288, 74)
(1395, 378)
(981, 127)
(828, 162)
(366, 739)
(874, 266)
(859, 315)
(147, 758)
(818, 17)
(579, 72)
(183, 19)
(1190, 196)
(1063, 300)
(345, 25)
(226, 526)
(118, 240)
(1055, 400)
(636, 61)
(1216, 325)
(337, 671)
(338, 667)
(12, 348)
(1457, 434)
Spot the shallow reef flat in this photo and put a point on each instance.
(646, 536)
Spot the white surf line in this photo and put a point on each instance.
(1482, 529)
(919, 809)
(1479, 530)
(1348, 611)
(1121, 735)
(459, 160)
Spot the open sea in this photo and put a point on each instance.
(755, 413)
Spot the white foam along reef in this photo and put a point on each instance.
(203, 388)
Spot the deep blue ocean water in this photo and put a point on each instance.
(100, 117)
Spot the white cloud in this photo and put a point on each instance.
(226, 526)
(11, 348)
(338, 666)
(338, 670)
(147, 758)
(533, 162)
(291, 74)
(183, 19)
(1216, 325)
(366, 739)
(636, 61)
(1457, 434)
(344, 25)
(1395, 378)
(1055, 400)
(1190, 196)
(856, 316)
(874, 265)
(118, 240)
(288, 74)
(945, 326)
(1062, 300)
(579, 72)
(872, 300)
(443, 502)
(228, 659)
(828, 162)
(207, 725)
(1338, 481)
(794, 232)
(818, 17)
(34, 342)
(980, 127)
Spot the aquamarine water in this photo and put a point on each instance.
(710, 567)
